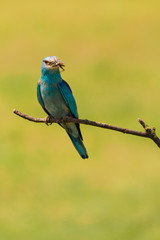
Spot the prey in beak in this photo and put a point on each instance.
(61, 65)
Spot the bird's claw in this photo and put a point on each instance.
(47, 120)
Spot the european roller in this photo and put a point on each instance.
(57, 100)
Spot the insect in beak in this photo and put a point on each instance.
(61, 65)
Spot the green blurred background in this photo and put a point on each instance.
(112, 55)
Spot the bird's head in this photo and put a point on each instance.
(51, 65)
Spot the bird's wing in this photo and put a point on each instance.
(68, 97)
(70, 101)
(39, 96)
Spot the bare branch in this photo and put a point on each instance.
(149, 133)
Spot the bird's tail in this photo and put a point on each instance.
(77, 142)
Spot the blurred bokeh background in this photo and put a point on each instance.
(112, 54)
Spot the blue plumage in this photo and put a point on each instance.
(57, 100)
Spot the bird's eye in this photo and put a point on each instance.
(46, 62)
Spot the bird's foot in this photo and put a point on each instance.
(47, 120)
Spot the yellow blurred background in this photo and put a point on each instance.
(112, 54)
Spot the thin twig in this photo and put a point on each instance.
(149, 133)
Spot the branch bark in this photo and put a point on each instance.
(148, 133)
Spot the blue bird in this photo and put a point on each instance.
(57, 100)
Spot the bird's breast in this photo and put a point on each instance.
(53, 99)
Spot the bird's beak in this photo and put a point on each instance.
(58, 64)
